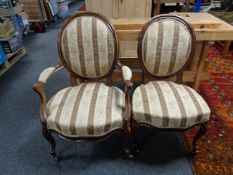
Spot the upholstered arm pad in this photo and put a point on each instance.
(127, 73)
(48, 72)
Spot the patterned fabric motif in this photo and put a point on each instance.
(89, 109)
(165, 104)
(166, 47)
(88, 46)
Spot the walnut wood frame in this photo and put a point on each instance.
(178, 74)
(39, 88)
(59, 41)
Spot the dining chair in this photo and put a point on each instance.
(165, 49)
(89, 110)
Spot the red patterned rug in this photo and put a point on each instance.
(216, 147)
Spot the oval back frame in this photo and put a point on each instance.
(140, 44)
(111, 28)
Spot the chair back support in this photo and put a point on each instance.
(166, 46)
(87, 46)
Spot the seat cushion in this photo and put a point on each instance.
(165, 104)
(90, 109)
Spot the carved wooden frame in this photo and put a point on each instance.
(39, 88)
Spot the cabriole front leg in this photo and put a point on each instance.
(48, 136)
(127, 147)
(200, 133)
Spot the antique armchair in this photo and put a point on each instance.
(90, 110)
(165, 49)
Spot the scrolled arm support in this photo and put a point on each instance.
(127, 76)
(48, 72)
(39, 88)
(126, 72)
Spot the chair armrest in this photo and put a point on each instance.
(127, 76)
(39, 88)
(126, 72)
(48, 72)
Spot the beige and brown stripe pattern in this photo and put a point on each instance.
(162, 100)
(166, 47)
(145, 103)
(180, 104)
(90, 124)
(80, 46)
(58, 113)
(174, 47)
(95, 46)
(88, 46)
(159, 46)
(66, 47)
(89, 109)
(108, 110)
(170, 105)
(76, 108)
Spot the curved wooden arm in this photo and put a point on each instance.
(39, 88)
(127, 75)
(48, 72)
(128, 103)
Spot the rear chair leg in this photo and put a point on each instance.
(47, 135)
(136, 142)
(127, 147)
(199, 134)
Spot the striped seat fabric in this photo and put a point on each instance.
(166, 47)
(88, 46)
(90, 109)
(165, 104)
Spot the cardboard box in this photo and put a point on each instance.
(6, 29)
(5, 12)
(12, 44)
(23, 15)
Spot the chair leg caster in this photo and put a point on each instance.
(129, 153)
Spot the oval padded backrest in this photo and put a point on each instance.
(88, 45)
(166, 45)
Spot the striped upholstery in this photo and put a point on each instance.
(165, 104)
(88, 46)
(44, 76)
(47, 73)
(126, 73)
(166, 47)
(89, 109)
